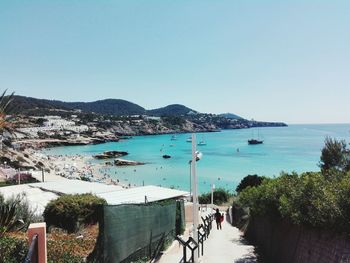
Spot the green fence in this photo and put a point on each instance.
(131, 232)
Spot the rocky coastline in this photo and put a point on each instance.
(31, 134)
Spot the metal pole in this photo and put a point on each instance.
(190, 162)
(195, 197)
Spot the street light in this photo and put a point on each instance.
(195, 157)
(198, 157)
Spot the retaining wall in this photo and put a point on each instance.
(281, 241)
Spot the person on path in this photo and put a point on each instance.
(218, 218)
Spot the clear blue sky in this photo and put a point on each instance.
(268, 60)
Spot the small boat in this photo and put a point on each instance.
(189, 139)
(173, 138)
(165, 156)
(254, 141)
(202, 143)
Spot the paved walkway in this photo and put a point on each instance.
(226, 245)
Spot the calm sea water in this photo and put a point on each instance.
(294, 148)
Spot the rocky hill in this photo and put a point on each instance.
(122, 117)
(106, 107)
(230, 116)
(115, 107)
(172, 110)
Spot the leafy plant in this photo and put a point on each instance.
(15, 214)
(12, 250)
(220, 196)
(71, 211)
(308, 199)
(249, 180)
(335, 155)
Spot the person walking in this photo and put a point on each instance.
(218, 218)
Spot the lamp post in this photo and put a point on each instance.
(195, 195)
(198, 157)
(190, 163)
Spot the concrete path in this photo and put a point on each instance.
(226, 245)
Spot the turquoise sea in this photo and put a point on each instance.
(227, 157)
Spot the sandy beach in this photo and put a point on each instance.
(75, 167)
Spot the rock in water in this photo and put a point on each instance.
(123, 162)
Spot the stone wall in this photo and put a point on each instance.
(281, 241)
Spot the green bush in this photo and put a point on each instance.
(65, 251)
(309, 199)
(249, 180)
(220, 196)
(12, 250)
(71, 211)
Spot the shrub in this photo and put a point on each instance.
(15, 214)
(309, 199)
(25, 178)
(249, 180)
(61, 247)
(66, 248)
(343, 197)
(70, 211)
(220, 196)
(12, 250)
(316, 199)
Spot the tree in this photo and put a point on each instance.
(220, 196)
(249, 180)
(335, 155)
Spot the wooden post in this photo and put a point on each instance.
(40, 230)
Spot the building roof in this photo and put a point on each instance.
(36, 197)
(141, 194)
(76, 187)
(39, 194)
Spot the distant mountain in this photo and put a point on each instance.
(230, 116)
(106, 107)
(23, 104)
(28, 105)
(171, 110)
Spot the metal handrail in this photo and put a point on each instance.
(32, 256)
